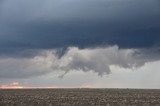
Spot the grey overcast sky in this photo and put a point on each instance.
(80, 43)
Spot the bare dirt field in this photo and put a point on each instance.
(79, 97)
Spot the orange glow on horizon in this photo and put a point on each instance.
(13, 85)
(17, 85)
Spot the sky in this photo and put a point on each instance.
(80, 43)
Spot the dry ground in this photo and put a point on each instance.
(79, 97)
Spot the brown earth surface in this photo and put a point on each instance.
(79, 97)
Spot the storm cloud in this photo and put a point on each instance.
(47, 24)
(98, 60)
(38, 37)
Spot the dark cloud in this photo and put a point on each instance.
(57, 24)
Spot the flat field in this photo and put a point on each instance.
(79, 97)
